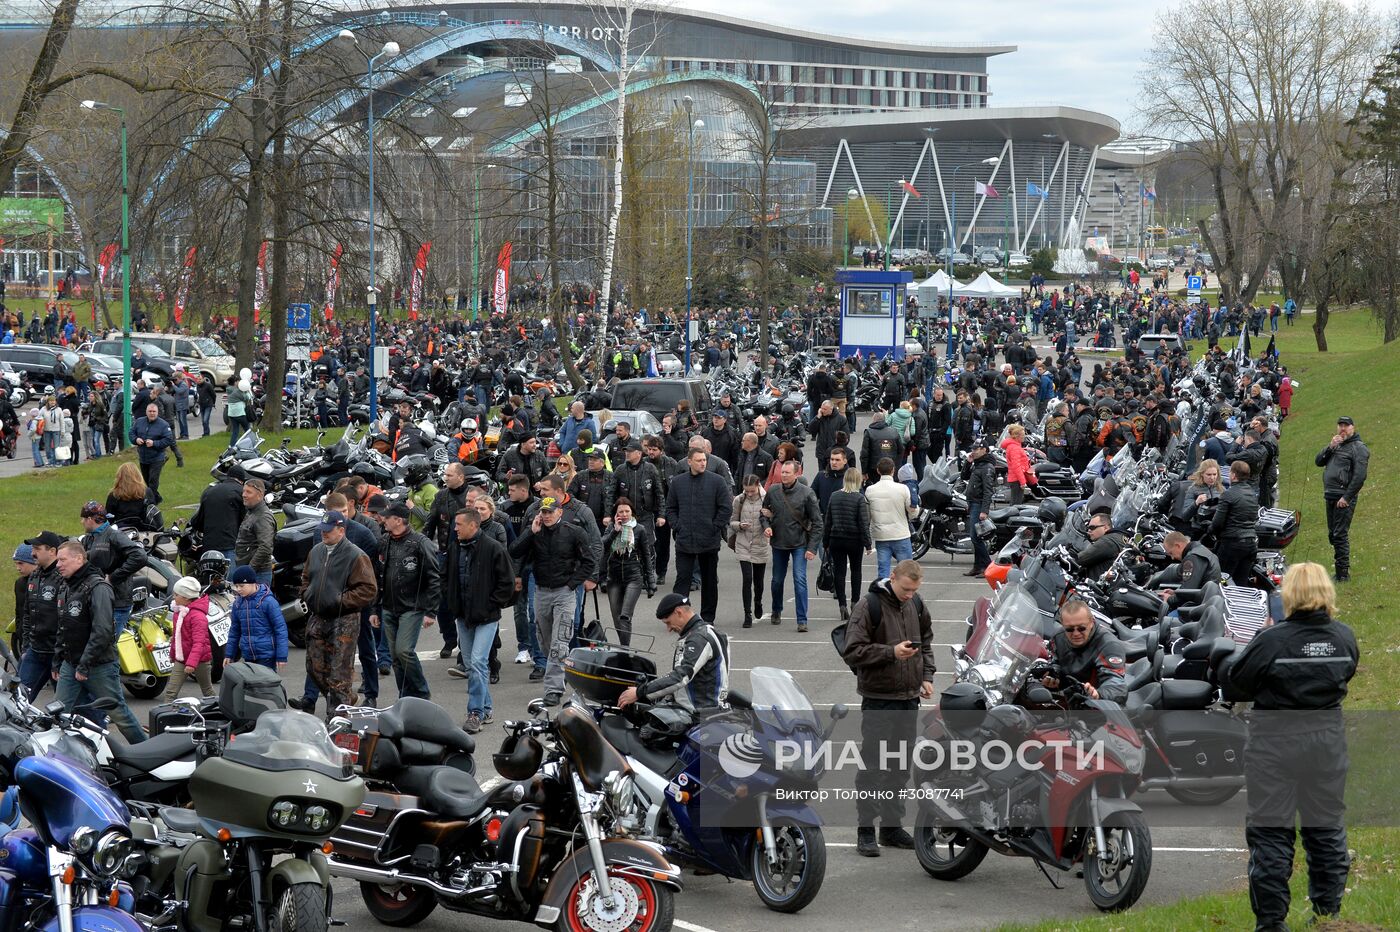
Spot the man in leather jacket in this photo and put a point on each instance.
(1236, 518)
(1104, 546)
(116, 556)
(699, 677)
(1196, 565)
(1343, 461)
(1089, 653)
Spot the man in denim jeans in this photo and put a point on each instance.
(409, 585)
(480, 583)
(562, 560)
(791, 514)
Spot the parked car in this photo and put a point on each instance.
(961, 258)
(989, 257)
(1149, 342)
(1018, 260)
(1159, 260)
(155, 359)
(668, 364)
(38, 360)
(1206, 261)
(658, 396)
(199, 353)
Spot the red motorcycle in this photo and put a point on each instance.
(1063, 799)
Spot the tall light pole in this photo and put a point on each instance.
(476, 238)
(390, 49)
(889, 224)
(126, 270)
(691, 127)
(851, 196)
(953, 243)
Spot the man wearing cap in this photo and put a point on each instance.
(1343, 462)
(219, 515)
(113, 554)
(85, 666)
(562, 560)
(409, 592)
(337, 583)
(449, 500)
(981, 485)
(151, 436)
(590, 487)
(255, 532)
(723, 438)
(699, 677)
(37, 623)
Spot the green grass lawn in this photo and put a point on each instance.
(1354, 379)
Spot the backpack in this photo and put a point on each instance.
(874, 611)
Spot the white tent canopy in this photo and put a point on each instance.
(935, 287)
(984, 286)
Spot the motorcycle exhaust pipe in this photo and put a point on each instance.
(294, 610)
(1193, 783)
(379, 875)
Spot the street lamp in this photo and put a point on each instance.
(390, 49)
(476, 239)
(126, 271)
(851, 197)
(952, 243)
(691, 127)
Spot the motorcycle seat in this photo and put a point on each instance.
(1045, 466)
(180, 820)
(1144, 699)
(1138, 674)
(452, 793)
(1186, 694)
(622, 735)
(154, 752)
(1194, 612)
(420, 719)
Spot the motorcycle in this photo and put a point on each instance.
(252, 851)
(538, 848)
(1073, 810)
(943, 511)
(782, 851)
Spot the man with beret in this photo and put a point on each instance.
(699, 677)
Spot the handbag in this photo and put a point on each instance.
(593, 630)
(826, 576)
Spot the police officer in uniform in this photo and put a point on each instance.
(1295, 767)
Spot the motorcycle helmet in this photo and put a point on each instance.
(787, 410)
(963, 697)
(212, 567)
(519, 757)
(1010, 723)
(469, 427)
(416, 469)
(1052, 511)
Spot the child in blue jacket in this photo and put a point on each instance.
(258, 632)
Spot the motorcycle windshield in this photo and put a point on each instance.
(777, 697)
(1127, 508)
(1014, 641)
(285, 739)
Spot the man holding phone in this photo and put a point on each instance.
(889, 644)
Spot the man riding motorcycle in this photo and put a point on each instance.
(1089, 653)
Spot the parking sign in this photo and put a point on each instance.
(1193, 283)
(298, 317)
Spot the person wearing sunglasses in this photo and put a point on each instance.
(1103, 548)
(1089, 653)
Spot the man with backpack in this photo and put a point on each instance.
(889, 644)
(881, 442)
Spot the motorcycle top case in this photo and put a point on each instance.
(247, 691)
(601, 674)
(173, 715)
(292, 544)
(1276, 528)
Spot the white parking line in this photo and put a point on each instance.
(935, 643)
(690, 926)
(851, 844)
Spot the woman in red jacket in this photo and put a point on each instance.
(190, 653)
(1018, 466)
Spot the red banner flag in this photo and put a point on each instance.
(104, 262)
(333, 281)
(415, 285)
(182, 293)
(909, 188)
(500, 296)
(260, 282)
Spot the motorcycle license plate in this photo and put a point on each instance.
(161, 655)
(219, 630)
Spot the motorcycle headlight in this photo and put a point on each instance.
(83, 840)
(110, 853)
(284, 814)
(618, 787)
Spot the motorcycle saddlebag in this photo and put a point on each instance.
(1203, 744)
(601, 674)
(247, 691)
(167, 716)
(292, 545)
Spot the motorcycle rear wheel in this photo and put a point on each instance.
(1117, 886)
(1202, 797)
(920, 544)
(797, 878)
(652, 906)
(945, 854)
(397, 905)
(301, 908)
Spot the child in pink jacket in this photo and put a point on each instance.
(190, 653)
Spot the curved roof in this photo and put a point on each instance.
(1080, 127)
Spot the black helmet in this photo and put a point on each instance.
(365, 470)
(1052, 511)
(416, 469)
(963, 697)
(1200, 382)
(787, 409)
(1010, 723)
(519, 757)
(212, 565)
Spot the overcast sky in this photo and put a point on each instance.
(1082, 53)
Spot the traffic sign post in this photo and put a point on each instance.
(1193, 289)
(299, 332)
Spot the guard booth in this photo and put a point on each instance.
(872, 311)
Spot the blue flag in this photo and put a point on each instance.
(1034, 190)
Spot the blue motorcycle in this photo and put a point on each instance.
(713, 801)
(69, 868)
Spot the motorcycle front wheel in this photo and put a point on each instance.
(1116, 883)
(1202, 797)
(645, 906)
(301, 908)
(397, 905)
(796, 878)
(945, 853)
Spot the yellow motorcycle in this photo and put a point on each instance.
(143, 651)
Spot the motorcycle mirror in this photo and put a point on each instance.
(839, 711)
(535, 708)
(1038, 695)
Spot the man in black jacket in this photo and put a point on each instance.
(525, 459)
(981, 486)
(698, 506)
(753, 461)
(1343, 461)
(881, 441)
(724, 439)
(218, 516)
(562, 560)
(85, 667)
(409, 594)
(1234, 526)
(479, 583)
(450, 499)
(256, 533)
(115, 555)
(1196, 565)
(590, 487)
(1089, 653)
(636, 480)
(824, 427)
(655, 452)
(1103, 548)
(39, 624)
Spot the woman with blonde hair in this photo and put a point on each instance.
(1018, 465)
(129, 496)
(750, 545)
(1295, 764)
(1187, 495)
